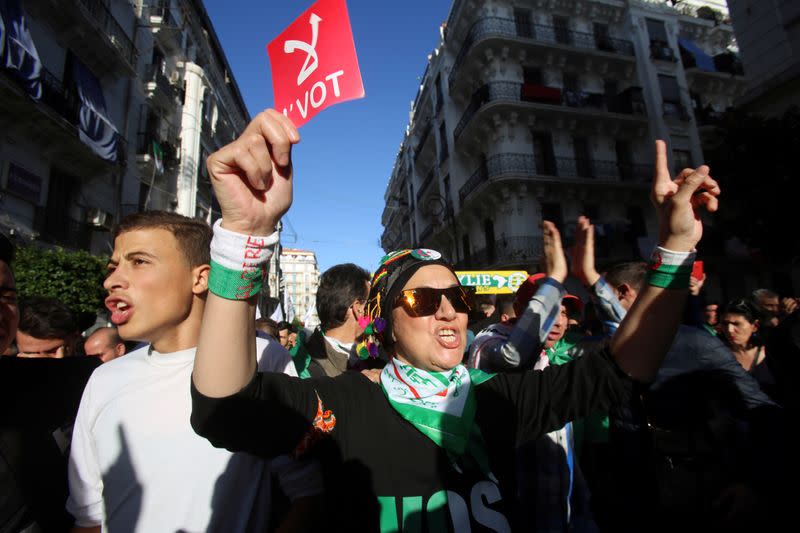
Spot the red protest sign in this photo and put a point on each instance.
(314, 62)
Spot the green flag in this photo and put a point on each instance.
(158, 156)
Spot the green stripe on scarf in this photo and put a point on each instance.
(300, 356)
(436, 416)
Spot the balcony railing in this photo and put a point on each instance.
(444, 151)
(57, 228)
(674, 110)
(154, 74)
(425, 184)
(162, 11)
(422, 139)
(627, 102)
(144, 146)
(426, 233)
(65, 103)
(527, 166)
(61, 100)
(584, 99)
(510, 250)
(662, 51)
(98, 10)
(502, 27)
(708, 117)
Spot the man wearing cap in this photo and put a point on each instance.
(518, 343)
(551, 491)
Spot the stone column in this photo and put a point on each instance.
(191, 128)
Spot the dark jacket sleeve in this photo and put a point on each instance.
(545, 400)
(43, 393)
(717, 356)
(268, 417)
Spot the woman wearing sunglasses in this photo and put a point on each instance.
(431, 447)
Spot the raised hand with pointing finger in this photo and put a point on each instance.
(679, 203)
(649, 327)
(252, 176)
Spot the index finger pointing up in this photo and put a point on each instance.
(661, 171)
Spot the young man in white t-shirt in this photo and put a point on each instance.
(136, 464)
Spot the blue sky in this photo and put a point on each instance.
(347, 152)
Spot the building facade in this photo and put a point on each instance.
(768, 32)
(192, 107)
(108, 107)
(300, 275)
(533, 110)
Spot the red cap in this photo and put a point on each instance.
(528, 289)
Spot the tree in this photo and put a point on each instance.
(75, 278)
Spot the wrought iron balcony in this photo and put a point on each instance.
(57, 228)
(422, 139)
(675, 111)
(520, 250)
(528, 166)
(662, 51)
(425, 184)
(426, 233)
(157, 84)
(166, 27)
(99, 11)
(165, 141)
(56, 114)
(708, 117)
(63, 101)
(161, 15)
(625, 103)
(493, 27)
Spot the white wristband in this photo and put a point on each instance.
(237, 251)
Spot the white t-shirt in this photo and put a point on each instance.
(137, 465)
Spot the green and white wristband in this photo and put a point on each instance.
(238, 263)
(669, 269)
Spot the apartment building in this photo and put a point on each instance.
(192, 107)
(108, 107)
(300, 275)
(768, 32)
(534, 110)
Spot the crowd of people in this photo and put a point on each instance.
(413, 406)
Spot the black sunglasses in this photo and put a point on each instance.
(425, 301)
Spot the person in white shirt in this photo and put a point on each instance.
(135, 463)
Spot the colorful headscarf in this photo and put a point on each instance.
(394, 271)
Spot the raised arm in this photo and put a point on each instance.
(252, 179)
(583, 267)
(493, 353)
(647, 332)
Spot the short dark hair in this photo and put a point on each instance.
(339, 287)
(630, 272)
(745, 307)
(268, 326)
(6, 250)
(46, 318)
(193, 235)
(282, 325)
(758, 294)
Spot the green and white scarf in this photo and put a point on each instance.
(441, 405)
